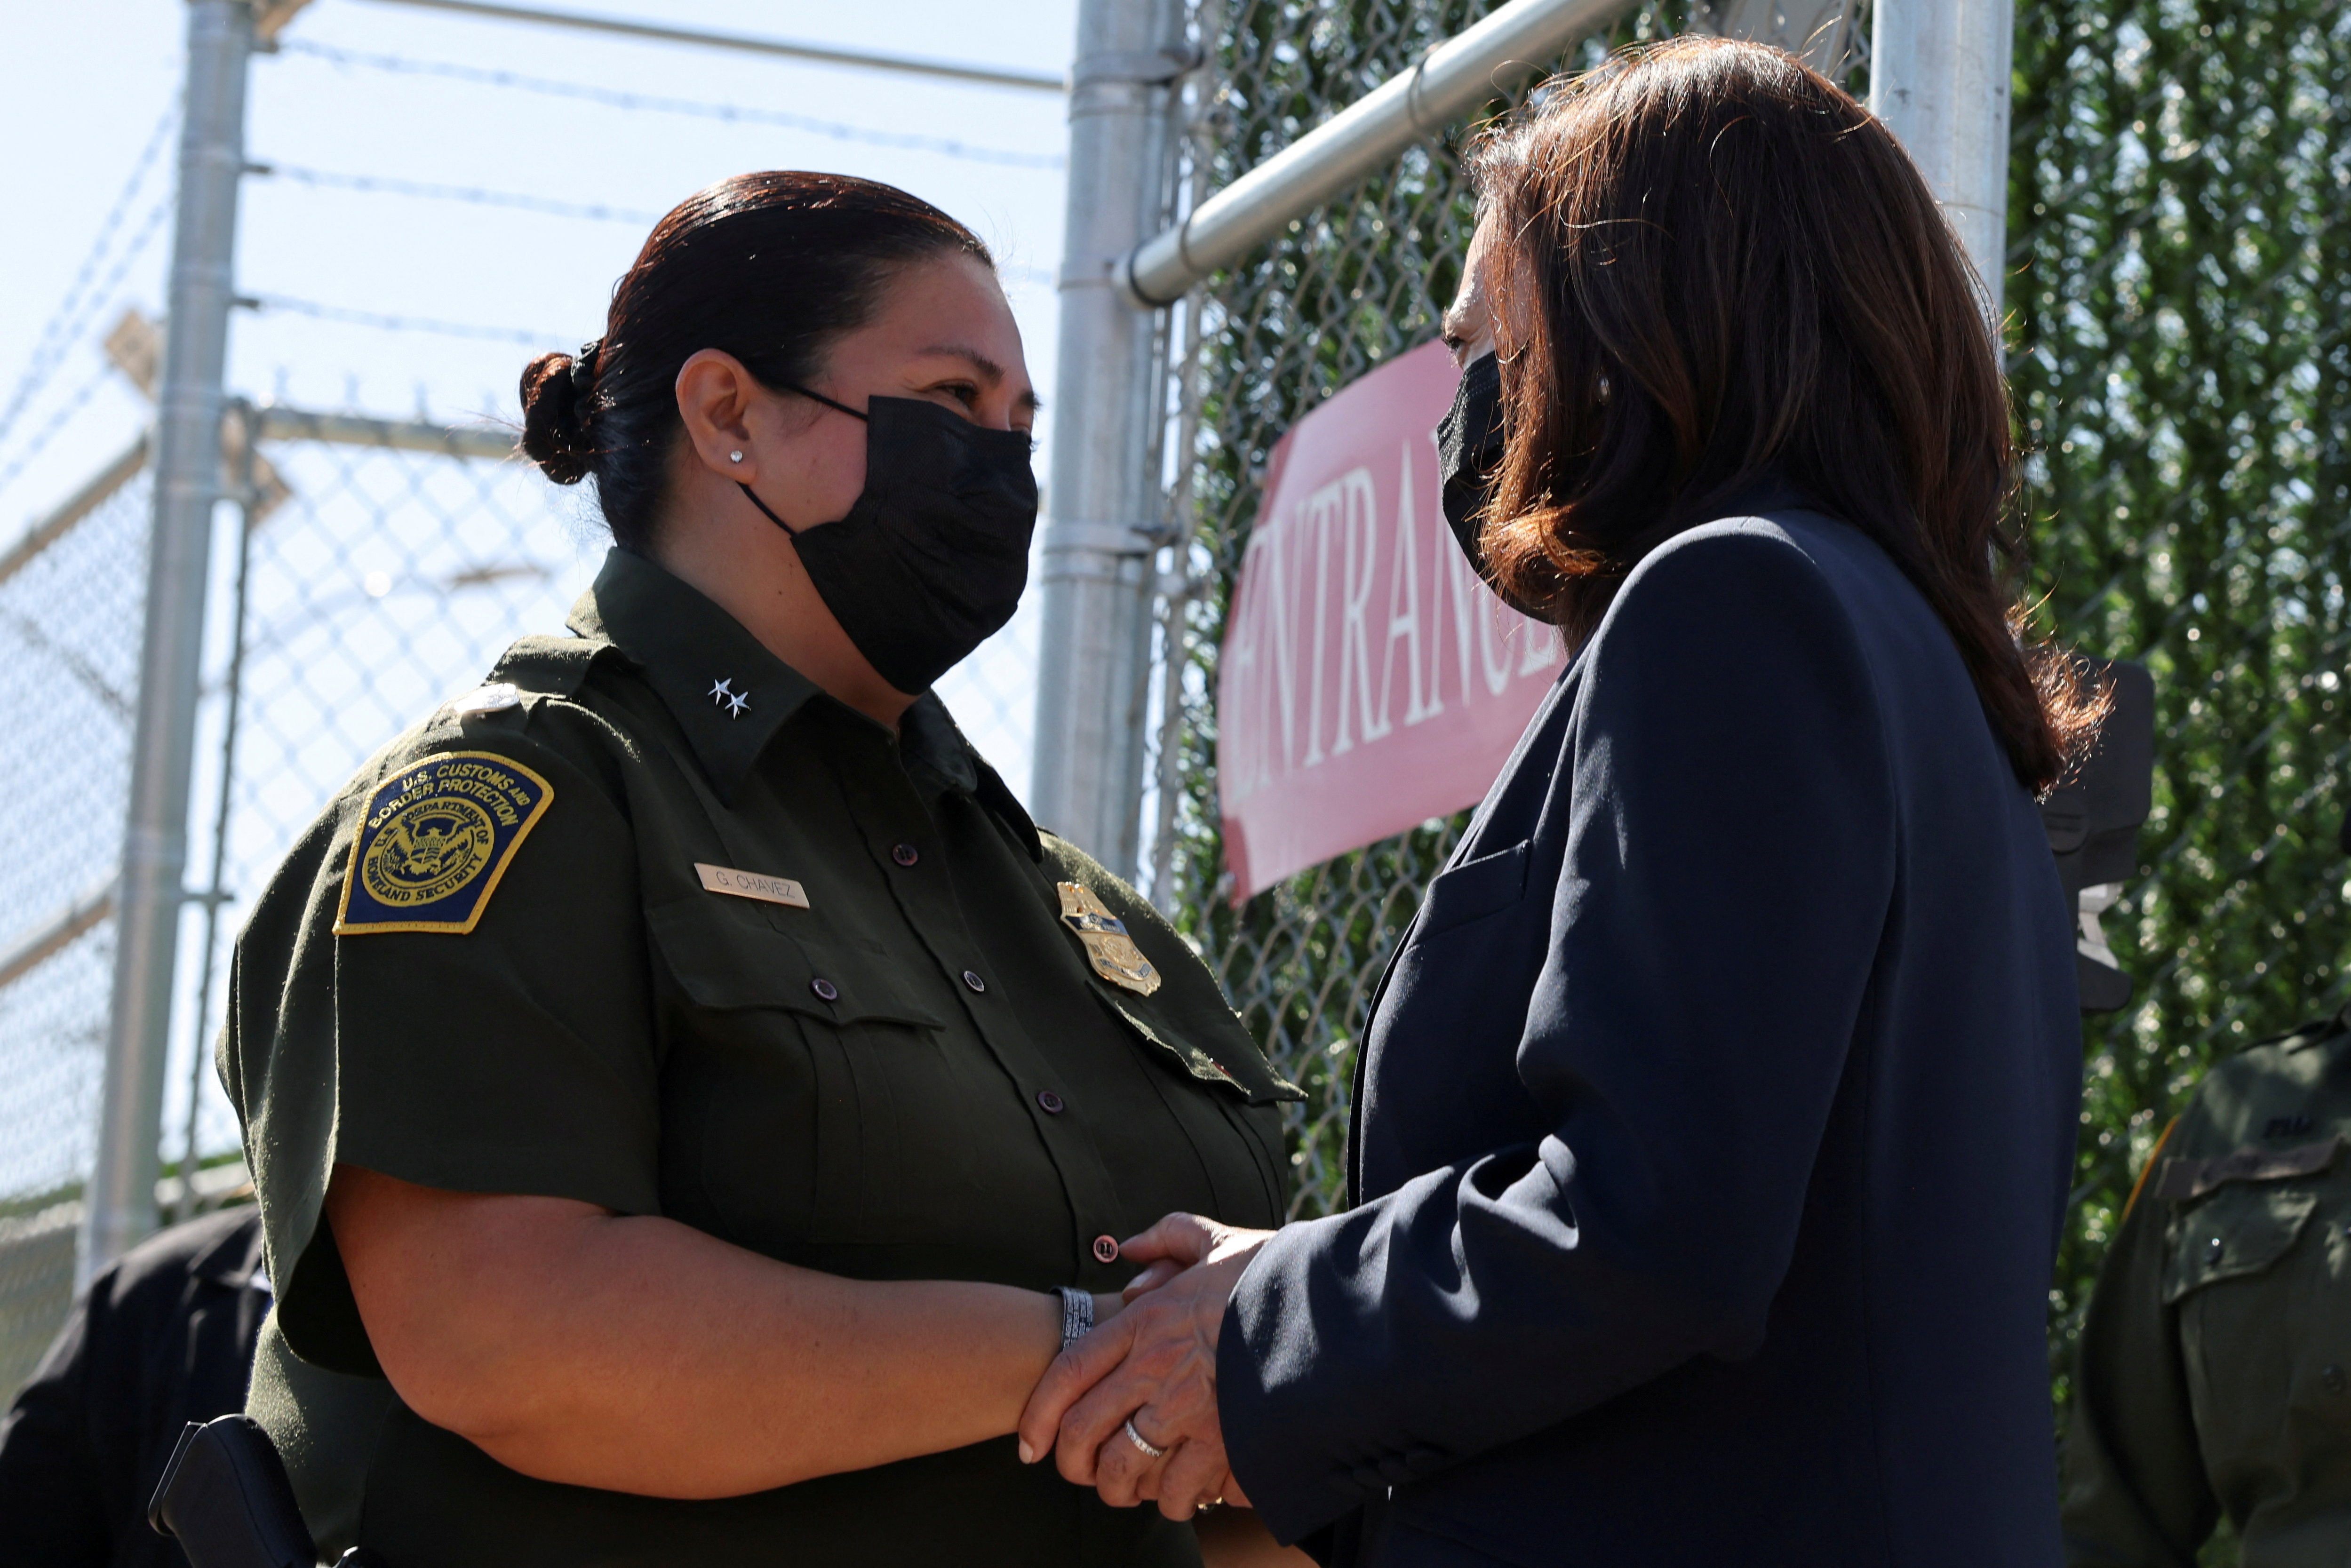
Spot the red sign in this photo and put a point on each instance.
(1368, 680)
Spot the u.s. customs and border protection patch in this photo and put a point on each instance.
(436, 838)
(1112, 952)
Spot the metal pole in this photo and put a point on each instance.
(1938, 78)
(120, 1200)
(1104, 526)
(1453, 78)
(244, 460)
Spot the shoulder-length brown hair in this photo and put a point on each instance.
(1711, 264)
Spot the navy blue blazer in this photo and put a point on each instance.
(1713, 1123)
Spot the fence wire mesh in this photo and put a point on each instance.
(2179, 291)
(70, 620)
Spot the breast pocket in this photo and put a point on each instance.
(2257, 1328)
(1476, 889)
(791, 1061)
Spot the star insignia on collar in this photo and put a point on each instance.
(724, 694)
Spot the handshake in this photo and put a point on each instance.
(1130, 1409)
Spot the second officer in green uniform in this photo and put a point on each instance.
(2215, 1372)
(679, 1068)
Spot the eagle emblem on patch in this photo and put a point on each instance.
(1112, 952)
(436, 838)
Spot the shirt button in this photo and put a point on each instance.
(1105, 1248)
(1053, 1104)
(826, 991)
(974, 981)
(905, 854)
(2331, 1378)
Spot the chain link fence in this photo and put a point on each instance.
(2179, 291)
(69, 619)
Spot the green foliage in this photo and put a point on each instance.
(2179, 292)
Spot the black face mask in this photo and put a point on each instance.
(1468, 459)
(932, 559)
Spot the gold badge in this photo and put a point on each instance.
(1116, 957)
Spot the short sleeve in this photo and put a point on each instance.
(2135, 1483)
(446, 982)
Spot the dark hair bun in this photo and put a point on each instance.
(558, 398)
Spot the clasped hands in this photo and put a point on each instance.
(1154, 1365)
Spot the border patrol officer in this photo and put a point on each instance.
(680, 1068)
(2215, 1373)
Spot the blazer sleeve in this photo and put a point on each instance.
(1727, 866)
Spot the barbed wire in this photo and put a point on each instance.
(388, 186)
(71, 320)
(385, 321)
(382, 184)
(613, 98)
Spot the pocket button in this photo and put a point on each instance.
(826, 991)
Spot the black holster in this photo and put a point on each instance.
(225, 1499)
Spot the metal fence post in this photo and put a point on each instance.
(1938, 78)
(1101, 532)
(119, 1204)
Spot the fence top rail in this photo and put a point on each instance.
(482, 442)
(47, 531)
(56, 931)
(1453, 78)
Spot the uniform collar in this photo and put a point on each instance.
(685, 645)
(938, 758)
(729, 693)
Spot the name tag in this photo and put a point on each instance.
(751, 884)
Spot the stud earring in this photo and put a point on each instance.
(734, 457)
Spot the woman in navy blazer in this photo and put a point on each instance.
(1713, 1121)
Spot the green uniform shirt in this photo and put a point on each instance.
(666, 929)
(2215, 1372)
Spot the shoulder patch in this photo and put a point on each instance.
(436, 840)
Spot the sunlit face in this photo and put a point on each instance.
(1468, 325)
(942, 333)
